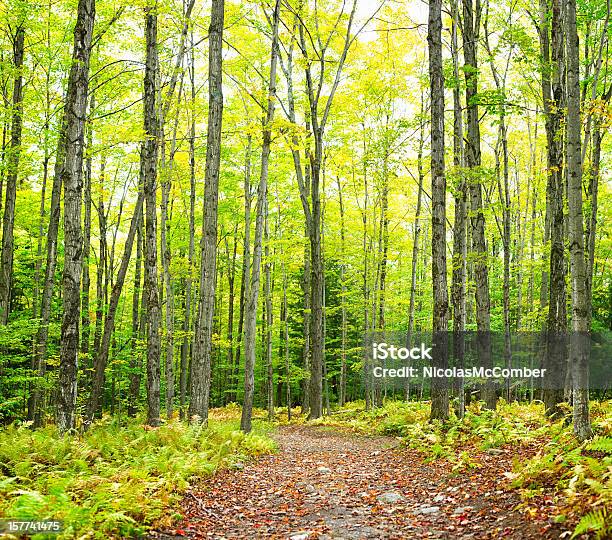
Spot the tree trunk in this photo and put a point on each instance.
(166, 256)
(135, 357)
(76, 110)
(471, 26)
(102, 267)
(191, 249)
(148, 166)
(268, 289)
(342, 389)
(262, 193)
(231, 278)
(532, 174)
(43, 191)
(365, 279)
(503, 189)
(285, 323)
(306, 326)
(316, 284)
(246, 265)
(317, 121)
(439, 389)
(458, 285)
(415, 250)
(202, 346)
(504, 194)
(593, 189)
(580, 306)
(552, 94)
(8, 219)
(85, 321)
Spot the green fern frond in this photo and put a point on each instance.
(593, 522)
(601, 444)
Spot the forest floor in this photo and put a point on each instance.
(326, 483)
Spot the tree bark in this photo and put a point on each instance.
(202, 347)
(580, 305)
(343, 373)
(268, 289)
(72, 178)
(593, 189)
(458, 284)
(231, 280)
(191, 249)
(8, 219)
(148, 165)
(285, 323)
(136, 358)
(415, 249)
(439, 389)
(551, 47)
(471, 26)
(246, 265)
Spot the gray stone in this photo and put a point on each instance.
(461, 510)
(325, 470)
(429, 510)
(390, 497)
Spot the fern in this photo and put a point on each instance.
(594, 522)
(601, 444)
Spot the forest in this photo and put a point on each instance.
(211, 211)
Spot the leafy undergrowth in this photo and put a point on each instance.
(114, 480)
(549, 463)
(582, 472)
(391, 419)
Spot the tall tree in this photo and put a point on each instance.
(250, 313)
(458, 285)
(202, 346)
(72, 173)
(191, 249)
(342, 389)
(148, 172)
(136, 356)
(8, 218)
(318, 116)
(471, 31)
(552, 81)
(579, 340)
(439, 389)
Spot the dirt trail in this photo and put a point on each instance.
(324, 484)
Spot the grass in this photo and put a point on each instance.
(114, 481)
